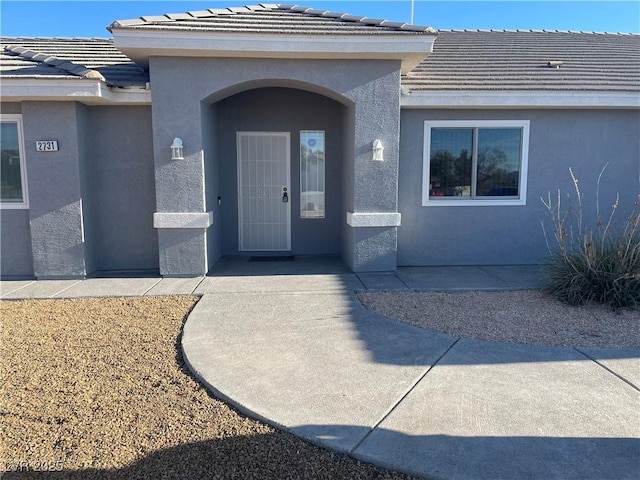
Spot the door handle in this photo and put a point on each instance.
(285, 195)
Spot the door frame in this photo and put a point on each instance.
(287, 135)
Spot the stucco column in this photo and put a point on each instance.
(180, 218)
(55, 200)
(372, 211)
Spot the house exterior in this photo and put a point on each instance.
(274, 129)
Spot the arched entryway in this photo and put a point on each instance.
(275, 172)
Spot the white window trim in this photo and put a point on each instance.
(451, 202)
(17, 118)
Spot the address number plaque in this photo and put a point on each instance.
(47, 146)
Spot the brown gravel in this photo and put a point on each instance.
(96, 388)
(516, 317)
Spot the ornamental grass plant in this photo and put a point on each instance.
(593, 260)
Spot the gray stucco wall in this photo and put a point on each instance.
(284, 110)
(180, 85)
(118, 193)
(15, 235)
(15, 244)
(92, 202)
(585, 140)
(54, 189)
(6, 107)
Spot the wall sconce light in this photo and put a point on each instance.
(378, 151)
(176, 149)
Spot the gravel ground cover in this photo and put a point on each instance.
(528, 316)
(97, 389)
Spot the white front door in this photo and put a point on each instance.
(264, 193)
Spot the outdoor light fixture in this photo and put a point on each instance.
(378, 151)
(176, 149)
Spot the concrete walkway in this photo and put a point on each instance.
(300, 352)
(310, 274)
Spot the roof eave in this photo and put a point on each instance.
(519, 99)
(16, 89)
(140, 44)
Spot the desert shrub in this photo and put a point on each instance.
(597, 261)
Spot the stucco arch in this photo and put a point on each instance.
(261, 106)
(277, 82)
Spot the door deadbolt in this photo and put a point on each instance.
(285, 195)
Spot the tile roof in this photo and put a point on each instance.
(271, 18)
(461, 60)
(64, 58)
(519, 60)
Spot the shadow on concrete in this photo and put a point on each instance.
(499, 457)
(301, 265)
(393, 342)
(389, 341)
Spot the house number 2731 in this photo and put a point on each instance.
(47, 146)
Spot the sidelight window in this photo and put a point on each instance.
(312, 174)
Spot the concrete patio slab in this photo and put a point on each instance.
(382, 281)
(295, 265)
(42, 289)
(109, 287)
(175, 286)
(279, 283)
(450, 279)
(504, 411)
(329, 374)
(9, 286)
(624, 362)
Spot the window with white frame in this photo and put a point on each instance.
(482, 162)
(13, 185)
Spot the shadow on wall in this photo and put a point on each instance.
(282, 456)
